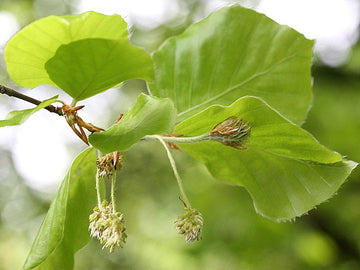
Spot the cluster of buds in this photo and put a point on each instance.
(105, 165)
(108, 226)
(190, 224)
(232, 132)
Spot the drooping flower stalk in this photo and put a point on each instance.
(177, 176)
(190, 223)
(106, 223)
(98, 190)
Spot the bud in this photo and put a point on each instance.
(232, 132)
(190, 224)
(77, 124)
(108, 226)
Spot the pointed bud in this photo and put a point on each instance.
(232, 132)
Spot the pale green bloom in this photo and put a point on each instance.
(190, 224)
(108, 226)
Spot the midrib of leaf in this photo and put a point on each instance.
(241, 84)
(281, 155)
(305, 162)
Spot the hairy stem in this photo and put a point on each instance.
(113, 180)
(204, 137)
(173, 165)
(12, 93)
(98, 191)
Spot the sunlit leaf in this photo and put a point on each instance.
(65, 227)
(82, 54)
(232, 53)
(149, 115)
(286, 171)
(18, 117)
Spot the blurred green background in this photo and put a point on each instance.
(234, 236)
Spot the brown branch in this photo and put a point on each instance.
(13, 93)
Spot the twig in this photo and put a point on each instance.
(13, 93)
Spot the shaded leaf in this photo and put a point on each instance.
(232, 53)
(286, 171)
(65, 227)
(82, 54)
(18, 117)
(149, 115)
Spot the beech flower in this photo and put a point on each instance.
(105, 165)
(190, 224)
(232, 132)
(108, 226)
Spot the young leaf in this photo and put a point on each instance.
(149, 115)
(232, 53)
(82, 54)
(286, 171)
(65, 227)
(18, 117)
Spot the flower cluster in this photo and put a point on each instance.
(190, 224)
(108, 226)
(105, 165)
(232, 132)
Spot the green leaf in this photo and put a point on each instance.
(18, 117)
(232, 53)
(82, 54)
(65, 227)
(286, 171)
(149, 115)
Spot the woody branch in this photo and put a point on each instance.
(12, 93)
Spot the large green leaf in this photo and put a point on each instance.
(82, 54)
(149, 115)
(232, 53)
(65, 227)
(286, 171)
(18, 117)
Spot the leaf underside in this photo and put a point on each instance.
(65, 227)
(286, 171)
